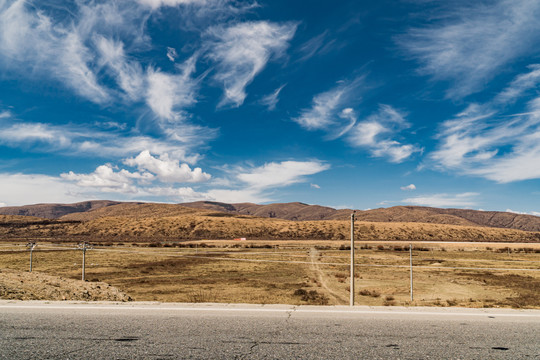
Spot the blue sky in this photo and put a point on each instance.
(354, 104)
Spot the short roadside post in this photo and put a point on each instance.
(31, 246)
(84, 246)
(352, 259)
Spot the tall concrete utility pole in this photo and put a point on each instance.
(352, 259)
(410, 260)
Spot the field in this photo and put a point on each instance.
(299, 272)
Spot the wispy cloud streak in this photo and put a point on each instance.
(472, 43)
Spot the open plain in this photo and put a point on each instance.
(293, 272)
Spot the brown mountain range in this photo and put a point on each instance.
(288, 211)
(55, 211)
(420, 214)
(133, 222)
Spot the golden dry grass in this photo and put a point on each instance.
(313, 272)
(194, 224)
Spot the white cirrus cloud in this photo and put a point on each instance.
(466, 199)
(154, 4)
(376, 131)
(409, 187)
(314, 186)
(78, 140)
(469, 44)
(166, 169)
(271, 100)
(484, 141)
(329, 108)
(167, 94)
(237, 195)
(129, 74)
(171, 54)
(241, 51)
(279, 174)
(78, 46)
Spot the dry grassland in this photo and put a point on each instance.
(189, 224)
(302, 272)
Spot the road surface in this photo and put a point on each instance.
(67, 330)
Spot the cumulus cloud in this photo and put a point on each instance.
(166, 169)
(444, 200)
(482, 141)
(470, 44)
(408, 187)
(241, 51)
(107, 180)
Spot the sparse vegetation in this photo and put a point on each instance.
(229, 271)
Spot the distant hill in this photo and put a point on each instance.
(303, 212)
(172, 223)
(54, 211)
(296, 211)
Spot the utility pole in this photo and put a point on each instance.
(352, 259)
(31, 246)
(84, 246)
(410, 260)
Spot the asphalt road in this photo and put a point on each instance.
(60, 330)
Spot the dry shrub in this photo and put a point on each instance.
(367, 292)
(311, 296)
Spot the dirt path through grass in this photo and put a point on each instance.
(314, 255)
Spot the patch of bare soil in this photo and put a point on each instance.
(19, 285)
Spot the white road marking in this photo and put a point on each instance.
(453, 312)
